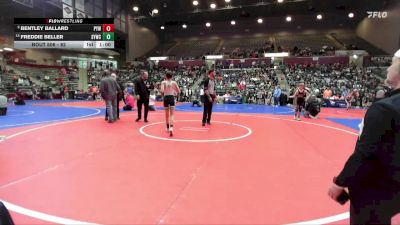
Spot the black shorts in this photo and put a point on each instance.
(169, 100)
(300, 104)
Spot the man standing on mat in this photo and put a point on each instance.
(109, 89)
(372, 173)
(142, 89)
(120, 95)
(209, 97)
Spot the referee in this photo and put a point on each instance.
(372, 173)
(209, 97)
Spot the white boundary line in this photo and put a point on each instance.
(52, 121)
(194, 129)
(42, 216)
(249, 132)
(29, 112)
(60, 220)
(325, 220)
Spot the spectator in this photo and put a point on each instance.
(371, 173)
(277, 95)
(109, 89)
(3, 105)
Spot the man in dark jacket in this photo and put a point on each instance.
(209, 97)
(372, 173)
(142, 90)
(109, 89)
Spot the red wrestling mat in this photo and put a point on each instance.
(342, 113)
(246, 169)
(91, 104)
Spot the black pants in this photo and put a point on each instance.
(118, 100)
(146, 107)
(3, 111)
(373, 207)
(207, 111)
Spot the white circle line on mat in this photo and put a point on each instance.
(249, 132)
(61, 220)
(27, 112)
(53, 121)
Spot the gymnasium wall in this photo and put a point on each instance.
(141, 40)
(382, 32)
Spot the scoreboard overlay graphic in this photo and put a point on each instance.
(64, 33)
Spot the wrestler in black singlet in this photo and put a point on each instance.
(301, 100)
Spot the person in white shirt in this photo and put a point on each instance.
(3, 105)
(169, 90)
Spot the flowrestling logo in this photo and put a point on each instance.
(377, 14)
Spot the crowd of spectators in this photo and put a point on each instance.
(253, 85)
(334, 81)
(308, 52)
(184, 76)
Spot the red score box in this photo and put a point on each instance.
(108, 27)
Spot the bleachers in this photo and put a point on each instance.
(349, 39)
(307, 45)
(194, 48)
(244, 43)
(315, 41)
(45, 76)
(161, 49)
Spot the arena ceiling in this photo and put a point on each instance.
(174, 12)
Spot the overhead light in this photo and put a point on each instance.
(227, 1)
(184, 26)
(158, 58)
(1, 50)
(155, 11)
(233, 22)
(351, 15)
(162, 27)
(214, 56)
(208, 24)
(213, 5)
(288, 18)
(355, 56)
(277, 54)
(135, 8)
(259, 20)
(195, 2)
(110, 57)
(397, 54)
(319, 17)
(280, 1)
(8, 49)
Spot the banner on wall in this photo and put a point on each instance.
(68, 11)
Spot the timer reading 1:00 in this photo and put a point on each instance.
(105, 44)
